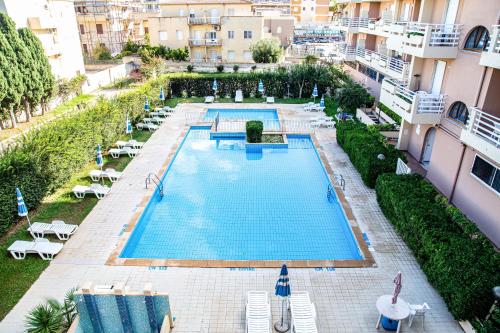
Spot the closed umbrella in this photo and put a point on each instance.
(99, 160)
(22, 210)
(162, 96)
(128, 127)
(282, 289)
(261, 87)
(315, 92)
(322, 101)
(397, 288)
(146, 105)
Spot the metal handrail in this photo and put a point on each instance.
(339, 179)
(151, 177)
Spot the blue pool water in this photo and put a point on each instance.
(247, 114)
(223, 203)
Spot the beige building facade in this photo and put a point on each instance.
(437, 65)
(308, 11)
(214, 31)
(111, 23)
(54, 23)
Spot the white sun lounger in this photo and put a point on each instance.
(117, 152)
(41, 246)
(130, 143)
(112, 174)
(270, 100)
(99, 190)
(62, 230)
(160, 113)
(303, 313)
(258, 312)
(238, 97)
(149, 126)
(209, 99)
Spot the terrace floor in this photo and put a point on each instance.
(213, 299)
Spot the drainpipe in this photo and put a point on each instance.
(455, 179)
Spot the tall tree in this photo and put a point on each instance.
(41, 66)
(29, 76)
(13, 79)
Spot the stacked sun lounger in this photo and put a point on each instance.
(98, 190)
(258, 312)
(130, 143)
(41, 246)
(303, 313)
(238, 98)
(117, 152)
(209, 99)
(109, 173)
(311, 107)
(62, 230)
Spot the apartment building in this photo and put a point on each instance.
(437, 65)
(306, 11)
(54, 23)
(110, 23)
(213, 30)
(271, 7)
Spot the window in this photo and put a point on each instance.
(477, 39)
(231, 55)
(487, 173)
(372, 74)
(459, 112)
(146, 30)
(82, 29)
(98, 27)
(163, 35)
(381, 77)
(247, 55)
(179, 34)
(230, 34)
(304, 8)
(278, 30)
(85, 49)
(247, 34)
(181, 12)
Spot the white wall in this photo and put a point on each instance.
(97, 79)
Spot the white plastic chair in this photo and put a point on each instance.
(303, 313)
(418, 310)
(62, 230)
(41, 246)
(258, 312)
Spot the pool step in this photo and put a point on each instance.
(151, 177)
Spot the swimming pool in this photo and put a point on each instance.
(247, 114)
(223, 203)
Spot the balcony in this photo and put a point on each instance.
(345, 52)
(351, 24)
(483, 133)
(491, 55)
(41, 23)
(424, 40)
(204, 20)
(349, 1)
(390, 66)
(205, 42)
(414, 107)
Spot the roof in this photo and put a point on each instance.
(203, 2)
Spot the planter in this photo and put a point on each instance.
(371, 26)
(415, 40)
(381, 63)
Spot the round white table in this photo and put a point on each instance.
(398, 311)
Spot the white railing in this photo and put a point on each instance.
(376, 60)
(272, 2)
(435, 35)
(423, 102)
(296, 126)
(402, 168)
(484, 125)
(352, 22)
(194, 117)
(204, 20)
(345, 50)
(494, 42)
(197, 42)
(239, 125)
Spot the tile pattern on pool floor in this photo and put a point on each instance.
(229, 204)
(213, 300)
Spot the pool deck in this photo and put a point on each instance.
(213, 299)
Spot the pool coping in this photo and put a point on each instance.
(367, 261)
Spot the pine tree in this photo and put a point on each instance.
(41, 66)
(12, 75)
(29, 77)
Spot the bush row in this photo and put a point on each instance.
(45, 158)
(364, 148)
(457, 259)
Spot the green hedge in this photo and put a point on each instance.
(390, 113)
(45, 158)
(458, 260)
(275, 83)
(363, 147)
(254, 131)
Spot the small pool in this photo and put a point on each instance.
(243, 114)
(222, 202)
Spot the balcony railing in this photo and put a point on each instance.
(352, 22)
(345, 51)
(415, 107)
(491, 55)
(204, 20)
(391, 66)
(444, 35)
(484, 125)
(205, 42)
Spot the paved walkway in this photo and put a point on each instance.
(212, 300)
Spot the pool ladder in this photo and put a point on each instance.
(151, 177)
(330, 192)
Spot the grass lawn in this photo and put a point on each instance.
(17, 276)
(57, 111)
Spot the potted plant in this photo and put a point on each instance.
(415, 38)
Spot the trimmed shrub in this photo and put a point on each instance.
(189, 68)
(458, 260)
(390, 113)
(220, 68)
(364, 147)
(236, 68)
(45, 158)
(254, 131)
